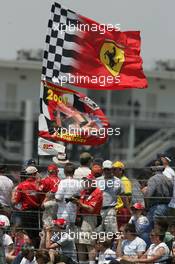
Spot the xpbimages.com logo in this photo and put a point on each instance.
(84, 27)
(72, 79)
(88, 131)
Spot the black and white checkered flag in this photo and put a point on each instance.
(61, 45)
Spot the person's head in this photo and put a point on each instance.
(137, 209)
(69, 169)
(31, 171)
(130, 232)
(165, 160)
(157, 236)
(161, 223)
(28, 251)
(61, 159)
(42, 256)
(157, 166)
(89, 183)
(85, 159)
(97, 170)
(102, 245)
(107, 168)
(52, 170)
(118, 169)
(30, 162)
(172, 228)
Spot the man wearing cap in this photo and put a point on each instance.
(27, 201)
(51, 182)
(168, 171)
(140, 221)
(85, 163)
(49, 185)
(60, 160)
(57, 238)
(111, 187)
(123, 202)
(157, 194)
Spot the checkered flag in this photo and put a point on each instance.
(61, 44)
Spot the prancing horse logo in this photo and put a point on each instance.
(112, 56)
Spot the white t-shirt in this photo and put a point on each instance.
(7, 241)
(26, 261)
(67, 188)
(152, 251)
(132, 248)
(102, 259)
(169, 172)
(81, 172)
(6, 188)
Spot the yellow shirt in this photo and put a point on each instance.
(127, 191)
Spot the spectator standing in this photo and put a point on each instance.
(90, 204)
(6, 187)
(68, 188)
(123, 202)
(85, 163)
(168, 171)
(27, 201)
(60, 160)
(157, 194)
(49, 185)
(111, 187)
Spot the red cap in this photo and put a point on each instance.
(138, 206)
(52, 167)
(60, 222)
(2, 224)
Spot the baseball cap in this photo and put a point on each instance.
(138, 206)
(52, 167)
(107, 164)
(61, 158)
(30, 170)
(61, 222)
(118, 164)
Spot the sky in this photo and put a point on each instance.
(23, 23)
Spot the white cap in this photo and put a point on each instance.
(4, 219)
(107, 164)
(30, 170)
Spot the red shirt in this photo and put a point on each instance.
(27, 195)
(49, 184)
(94, 199)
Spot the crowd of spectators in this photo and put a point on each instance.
(90, 214)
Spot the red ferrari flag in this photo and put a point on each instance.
(87, 54)
(69, 116)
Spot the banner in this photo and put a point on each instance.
(69, 116)
(46, 147)
(84, 53)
